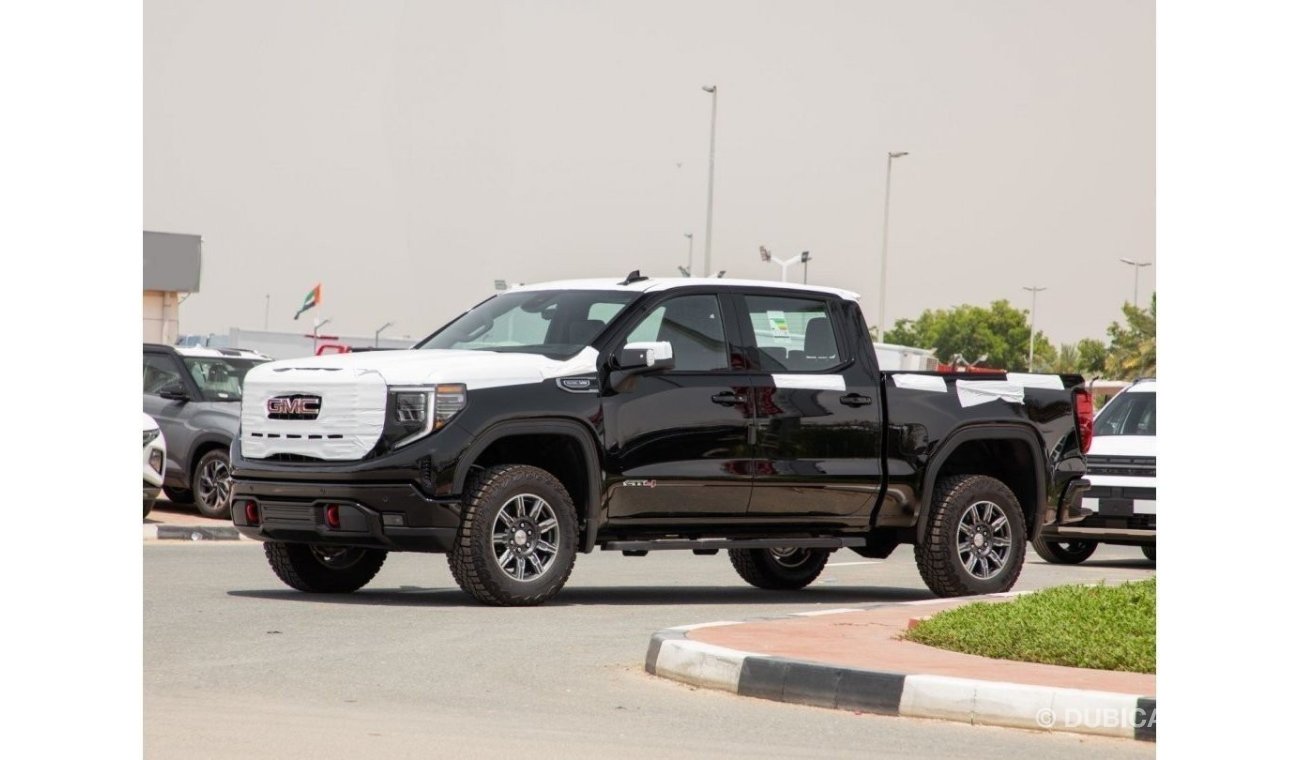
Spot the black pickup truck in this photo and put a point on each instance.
(649, 414)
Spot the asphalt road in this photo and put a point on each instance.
(239, 666)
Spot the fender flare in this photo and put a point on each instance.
(980, 432)
(570, 428)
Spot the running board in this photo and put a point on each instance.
(714, 544)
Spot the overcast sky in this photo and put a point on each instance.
(407, 154)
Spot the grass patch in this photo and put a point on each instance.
(1105, 627)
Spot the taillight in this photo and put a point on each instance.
(1083, 418)
(252, 515)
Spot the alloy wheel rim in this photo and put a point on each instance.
(525, 537)
(788, 556)
(337, 557)
(214, 484)
(983, 540)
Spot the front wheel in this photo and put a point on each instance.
(518, 537)
(212, 485)
(783, 569)
(1064, 552)
(323, 569)
(1150, 552)
(974, 540)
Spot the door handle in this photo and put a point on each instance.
(728, 399)
(855, 399)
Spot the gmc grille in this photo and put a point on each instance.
(1138, 467)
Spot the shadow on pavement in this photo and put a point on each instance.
(412, 596)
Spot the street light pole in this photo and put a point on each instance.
(385, 326)
(708, 219)
(690, 254)
(766, 255)
(266, 318)
(1137, 267)
(315, 333)
(1033, 307)
(884, 245)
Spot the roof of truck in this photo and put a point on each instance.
(654, 284)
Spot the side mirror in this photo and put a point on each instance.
(640, 358)
(646, 356)
(174, 392)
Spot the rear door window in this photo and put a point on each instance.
(793, 334)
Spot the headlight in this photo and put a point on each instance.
(416, 412)
(150, 435)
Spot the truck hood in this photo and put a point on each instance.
(476, 369)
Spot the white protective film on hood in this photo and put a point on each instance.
(354, 393)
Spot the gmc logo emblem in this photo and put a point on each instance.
(296, 407)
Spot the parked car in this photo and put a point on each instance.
(155, 455)
(644, 415)
(194, 395)
(1120, 505)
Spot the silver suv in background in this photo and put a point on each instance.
(1121, 503)
(194, 394)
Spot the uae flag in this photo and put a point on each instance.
(312, 299)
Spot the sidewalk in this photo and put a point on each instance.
(853, 659)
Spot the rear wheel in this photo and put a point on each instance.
(323, 569)
(1150, 552)
(1064, 552)
(518, 537)
(779, 569)
(148, 506)
(212, 485)
(974, 540)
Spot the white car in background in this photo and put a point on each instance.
(1120, 503)
(155, 458)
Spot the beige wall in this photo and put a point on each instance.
(161, 317)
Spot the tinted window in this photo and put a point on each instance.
(693, 325)
(159, 372)
(557, 323)
(1129, 414)
(793, 334)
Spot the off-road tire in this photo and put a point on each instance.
(937, 554)
(300, 567)
(179, 495)
(1150, 552)
(148, 506)
(473, 561)
(762, 568)
(1064, 552)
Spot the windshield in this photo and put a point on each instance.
(555, 323)
(1129, 414)
(220, 378)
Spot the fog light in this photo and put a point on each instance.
(252, 515)
(156, 461)
(332, 516)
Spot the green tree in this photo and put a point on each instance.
(1092, 357)
(1133, 346)
(999, 332)
(1067, 359)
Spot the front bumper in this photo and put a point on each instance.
(392, 517)
(1111, 514)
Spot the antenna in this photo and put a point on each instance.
(633, 276)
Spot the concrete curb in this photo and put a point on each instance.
(164, 532)
(1044, 708)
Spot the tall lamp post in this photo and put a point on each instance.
(385, 326)
(884, 245)
(1033, 306)
(785, 264)
(690, 255)
(315, 332)
(1137, 267)
(708, 219)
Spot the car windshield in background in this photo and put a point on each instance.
(1131, 413)
(554, 323)
(220, 378)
